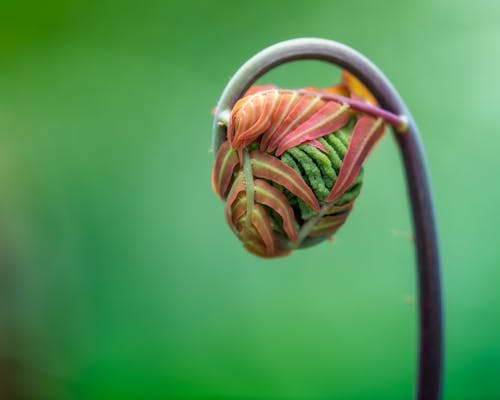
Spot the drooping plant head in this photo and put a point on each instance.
(289, 183)
(290, 168)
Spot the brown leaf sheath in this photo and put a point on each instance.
(365, 135)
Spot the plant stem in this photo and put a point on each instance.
(249, 190)
(428, 272)
(399, 122)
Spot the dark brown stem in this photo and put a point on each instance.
(430, 315)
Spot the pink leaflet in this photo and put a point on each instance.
(286, 103)
(275, 199)
(239, 185)
(316, 143)
(260, 220)
(272, 168)
(328, 225)
(301, 112)
(329, 118)
(225, 163)
(257, 113)
(365, 135)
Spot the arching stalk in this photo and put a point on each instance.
(429, 377)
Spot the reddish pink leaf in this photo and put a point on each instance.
(329, 118)
(365, 135)
(253, 242)
(301, 112)
(226, 161)
(239, 207)
(260, 221)
(338, 209)
(259, 88)
(272, 168)
(328, 225)
(239, 185)
(255, 247)
(272, 197)
(255, 117)
(251, 238)
(285, 105)
(244, 115)
(235, 121)
(316, 143)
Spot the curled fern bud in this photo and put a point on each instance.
(291, 167)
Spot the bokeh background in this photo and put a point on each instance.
(118, 276)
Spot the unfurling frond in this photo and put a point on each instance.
(291, 167)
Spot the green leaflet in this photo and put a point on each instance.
(320, 170)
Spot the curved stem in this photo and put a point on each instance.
(398, 122)
(428, 272)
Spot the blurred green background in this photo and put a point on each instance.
(119, 278)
